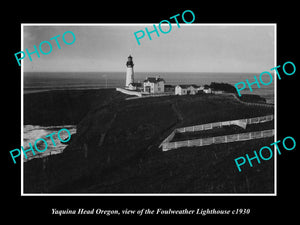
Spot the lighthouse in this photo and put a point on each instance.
(129, 72)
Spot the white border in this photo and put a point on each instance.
(151, 194)
(275, 109)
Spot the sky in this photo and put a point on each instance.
(190, 48)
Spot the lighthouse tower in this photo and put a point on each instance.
(129, 72)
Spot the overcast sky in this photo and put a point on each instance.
(190, 48)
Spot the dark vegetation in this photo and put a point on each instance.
(120, 140)
(228, 88)
(223, 87)
(62, 107)
(252, 98)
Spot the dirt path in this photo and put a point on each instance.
(177, 112)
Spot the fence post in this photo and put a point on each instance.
(249, 136)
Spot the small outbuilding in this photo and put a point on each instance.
(207, 90)
(169, 88)
(217, 92)
(187, 89)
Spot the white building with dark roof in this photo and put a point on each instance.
(187, 89)
(154, 85)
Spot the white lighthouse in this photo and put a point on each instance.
(129, 72)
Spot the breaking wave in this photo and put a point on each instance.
(33, 132)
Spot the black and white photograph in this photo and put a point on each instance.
(149, 111)
(108, 113)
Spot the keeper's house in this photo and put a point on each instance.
(154, 85)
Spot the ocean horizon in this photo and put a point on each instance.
(46, 81)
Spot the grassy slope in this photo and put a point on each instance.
(128, 160)
(62, 107)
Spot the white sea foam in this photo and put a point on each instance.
(34, 132)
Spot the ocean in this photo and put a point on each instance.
(45, 81)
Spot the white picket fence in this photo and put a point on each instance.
(167, 144)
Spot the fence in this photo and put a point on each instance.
(241, 123)
(167, 144)
(217, 140)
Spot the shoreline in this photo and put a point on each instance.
(34, 132)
